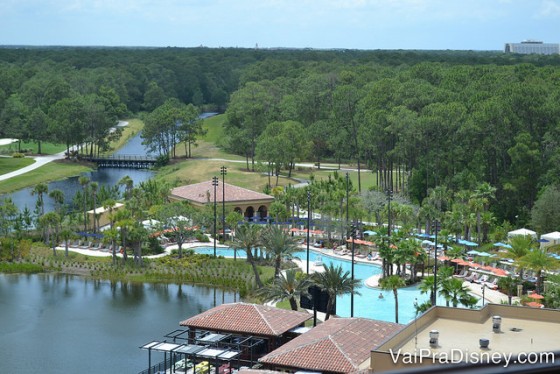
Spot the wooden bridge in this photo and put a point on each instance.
(121, 161)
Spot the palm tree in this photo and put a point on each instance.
(520, 246)
(454, 291)
(393, 283)
(508, 284)
(94, 186)
(84, 181)
(247, 237)
(538, 261)
(128, 184)
(289, 286)
(279, 244)
(40, 189)
(427, 286)
(48, 221)
(335, 282)
(58, 196)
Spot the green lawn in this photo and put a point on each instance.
(52, 171)
(46, 148)
(9, 164)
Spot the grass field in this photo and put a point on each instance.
(208, 145)
(52, 171)
(46, 148)
(134, 126)
(9, 164)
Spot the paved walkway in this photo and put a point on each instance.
(39, 160)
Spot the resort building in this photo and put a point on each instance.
(257, 338)
(254, 206)
(338, 345)
(533, 47)
(465, 336)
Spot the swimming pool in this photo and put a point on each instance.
(368, 304)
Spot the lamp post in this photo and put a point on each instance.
(215, 184)
(353, 232)
(483, 289)
(223, 170)
(308, 225)
(347, 199)
(434, 294)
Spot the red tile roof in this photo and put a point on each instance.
(337, 345)
(251, 319)
(203, 193)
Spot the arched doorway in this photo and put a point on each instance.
(262, 212)
(249, 213)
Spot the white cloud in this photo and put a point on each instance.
(549, 9)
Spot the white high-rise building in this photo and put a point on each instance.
(533, 47)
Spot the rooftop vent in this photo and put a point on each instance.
(496, 324)
(484, 343)
(434, 335)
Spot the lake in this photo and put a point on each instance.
(63, 323)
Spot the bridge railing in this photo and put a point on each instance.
(119, 157)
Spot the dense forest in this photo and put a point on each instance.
(422, 121)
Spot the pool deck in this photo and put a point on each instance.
(490, 296)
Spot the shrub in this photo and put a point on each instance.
(18, 155)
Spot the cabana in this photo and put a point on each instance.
(552, 238)
(522, 232)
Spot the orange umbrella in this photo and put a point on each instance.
(443, 258)
(499, 272)
(536, 296)
(534, 304)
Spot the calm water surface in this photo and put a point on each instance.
(69, 324)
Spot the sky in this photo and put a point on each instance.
(321, 24)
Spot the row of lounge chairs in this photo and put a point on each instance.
(482, 279)
(92, 246)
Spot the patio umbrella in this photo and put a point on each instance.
(369, 232)
(543, 241)
(534, 304)
(500, 272)
(473, 252)
(503, 245)
(536, 296)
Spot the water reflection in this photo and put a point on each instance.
(71, 323)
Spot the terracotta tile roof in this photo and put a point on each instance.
(203, 193)
(251, 319)
(337, 345)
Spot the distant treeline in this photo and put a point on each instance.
(419, 119)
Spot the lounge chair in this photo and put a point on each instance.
(85, 246)
(493, 285)
(482, 279)
(462, 274)
(472, 278)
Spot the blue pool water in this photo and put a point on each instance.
(368, 304)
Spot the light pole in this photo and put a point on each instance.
(223, 170)
(434, 294)
(215, 184)
(353, 231)
(308, 225)
(347, 198)
(483, 289)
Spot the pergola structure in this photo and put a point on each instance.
(227, 336)
(200, 350)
